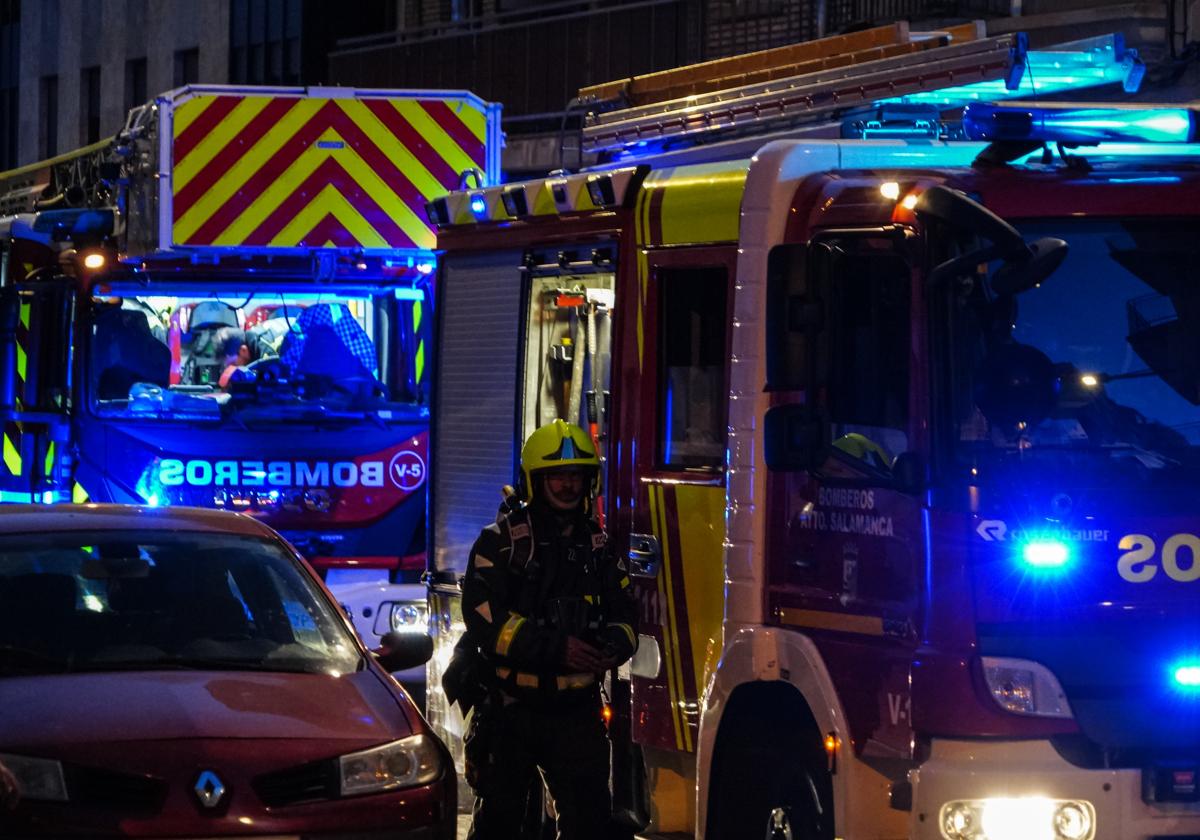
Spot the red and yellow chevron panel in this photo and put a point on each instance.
(312, 172)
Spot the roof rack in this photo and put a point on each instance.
(822, 81)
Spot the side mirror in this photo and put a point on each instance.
(953, 208)
(793, 438)
(401, 651)
(1021, 275)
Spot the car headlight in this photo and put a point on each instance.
(408, 762)
(1023, 818)
(410, 617)
(38, 778)
(1025, 687)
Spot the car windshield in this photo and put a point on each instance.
(249, 357)
(1098, 367)
(152, 600)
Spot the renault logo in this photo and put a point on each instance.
(210, 790)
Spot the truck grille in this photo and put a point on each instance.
(306, 783)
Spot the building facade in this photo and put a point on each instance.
(70, 70)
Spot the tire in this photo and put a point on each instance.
(769, 800)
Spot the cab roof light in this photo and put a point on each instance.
(600, 189)
(1084, 125)
(515, 203)
(478, 205)
(438, 212)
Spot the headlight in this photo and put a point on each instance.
(38, 778)
(1025, 818)
(410, 617)
(1024, 687)
(408, 762)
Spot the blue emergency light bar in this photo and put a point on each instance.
(1098, 61)
(1075, 124)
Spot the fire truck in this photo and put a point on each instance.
(229, 305)
(892, 364)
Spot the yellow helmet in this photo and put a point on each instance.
(862, 447)
(554, 446)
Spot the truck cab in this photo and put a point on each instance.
(896, 439)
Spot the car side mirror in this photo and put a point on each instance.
(400, 651)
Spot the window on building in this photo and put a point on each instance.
(187, 67)
(48, 116)
(89, 105)
(10, 51)
(264, 41)
(692, 320)
(135, 82)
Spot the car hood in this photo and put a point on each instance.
(144, 706)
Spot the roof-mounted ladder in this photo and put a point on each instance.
(819, 82)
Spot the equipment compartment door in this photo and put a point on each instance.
(676, 418)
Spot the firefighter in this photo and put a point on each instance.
(548, 610)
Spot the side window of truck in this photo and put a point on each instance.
(692, 387)
(870, 345)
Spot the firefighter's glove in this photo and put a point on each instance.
(619, 643)
(579, 656)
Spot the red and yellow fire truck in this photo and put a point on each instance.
(228, 305)
(901, 435)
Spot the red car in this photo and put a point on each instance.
(183, 673)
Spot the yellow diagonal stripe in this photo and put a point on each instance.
(441, 142)
(401, 214)
(676, 661)
(473, 118)
(223, 134)
(673, 692)
(186, 112)
(230, 182)
(312, 157)
(393, 149)
(327, 201)
(12, 456)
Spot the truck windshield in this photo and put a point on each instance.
(254, 356)
(1098, 368)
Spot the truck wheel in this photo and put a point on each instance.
(769, 802)
(769, 783)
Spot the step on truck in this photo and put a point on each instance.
(892, 361)
(229, 305)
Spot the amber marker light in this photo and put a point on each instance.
(94, 260)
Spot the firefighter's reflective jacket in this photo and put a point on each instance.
(529, 586)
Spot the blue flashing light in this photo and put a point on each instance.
(478, 205)
(152, 500)
(1187, 676)
(1046, 555)
(409, 294)
(48, 497)
(1079, 125)
(425, 268)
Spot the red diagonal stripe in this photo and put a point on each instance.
(203, 124)
(395, 122)
(329, 116)
(225, 159)
(330, 172)
(329, 229)
(457, 129)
